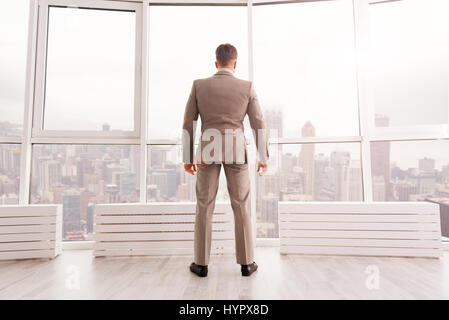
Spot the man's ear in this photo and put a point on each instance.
(235, 64)
(216, 64)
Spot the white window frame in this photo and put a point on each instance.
(39, 107)
(362, 116)
(151, 142)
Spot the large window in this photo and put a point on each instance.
(304, 56)
(13, 59)
(409, 70)
(13, 49)
(307, 172)
(89, 69)
(409, 99)
(305, 77)
(356, 91)
(79, 176)
(409, 62)
(182, 47)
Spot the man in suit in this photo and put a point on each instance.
(222, 101)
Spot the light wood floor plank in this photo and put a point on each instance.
(278, 277)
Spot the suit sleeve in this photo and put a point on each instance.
(258, 125)
(189, 126)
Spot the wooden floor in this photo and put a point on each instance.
(278, 277)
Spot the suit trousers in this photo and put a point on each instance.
(238, 184)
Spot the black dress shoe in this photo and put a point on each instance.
(248, 269)
(200, 271)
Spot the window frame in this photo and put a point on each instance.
(41, 66)
(195, 3)
(393, 133)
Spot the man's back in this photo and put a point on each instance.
(222, 101)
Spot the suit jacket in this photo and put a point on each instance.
(223, 101)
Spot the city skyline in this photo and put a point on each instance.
(85, 175)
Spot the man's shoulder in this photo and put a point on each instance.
(244, 85)
(231, 79)
(243, 81)
(200, 80)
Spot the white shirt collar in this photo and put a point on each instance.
(226, 69)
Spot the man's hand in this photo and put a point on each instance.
(190, 168)
(262, 168)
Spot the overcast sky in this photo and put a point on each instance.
(90, 69)
(13, 47)
(410, 61)
(304, 65)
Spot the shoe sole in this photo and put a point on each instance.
(247, 273)
(202, 274)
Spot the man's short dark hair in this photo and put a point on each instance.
(225, 53)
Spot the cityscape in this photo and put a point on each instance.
(80, 176)
(308, 175)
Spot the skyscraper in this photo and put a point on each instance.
(166, 181)
(273, 120)
(427, 165)
(321, 177)
(340, 161)
(379, 188)
(306, 159)
(112, 193)
(90, 218)
(80, 172)
(127, 183)
(355, 181)
(50, 174)
(268, 216)
(380, 159)
(445, 173)
(268, 186)
(71, 204)
(404, 190)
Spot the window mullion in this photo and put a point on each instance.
(25, 161)
(360, 33)
(144, 100)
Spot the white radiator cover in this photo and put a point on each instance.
(406, 229)
(157, 229)
(30, 231)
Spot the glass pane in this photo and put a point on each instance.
(79, 176)
(410, 62)
(167, 180)
(13, 55)
(90, 70)
(305, 66)
(308, 172)
(9, 173)
(182, 47)
(410, 170)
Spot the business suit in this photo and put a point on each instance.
(223, 101)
